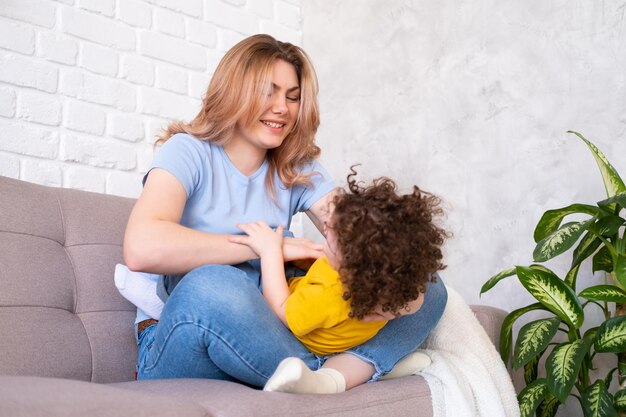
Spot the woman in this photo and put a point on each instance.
(249, 155)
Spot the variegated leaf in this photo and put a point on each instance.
(559, 241)
(619, 400)
(587, 246)
(570, 278)
(531, 369)
(607, 226)
(506, 331)
(551, 219)
(491, 282)
(620, 199)
(619, 267)
(548, 406)
(533, 338)
(553, 293)
(562, 367)
(597, 401)
(543, 268)
(611, 336)
(609, 293)
(602, 260)
(531, 396)
(612, 181)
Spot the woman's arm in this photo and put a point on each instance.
(156, 242)
(321, 210)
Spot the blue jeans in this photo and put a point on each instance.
(216, 324)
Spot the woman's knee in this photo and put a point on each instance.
(436, 296)
(213, 286)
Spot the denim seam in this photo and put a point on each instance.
(160, 352)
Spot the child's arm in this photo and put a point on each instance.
(379, 315)
(267, 244)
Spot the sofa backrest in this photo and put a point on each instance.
(60, 313)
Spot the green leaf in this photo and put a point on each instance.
(597, 401)
(533, 338)
(609, 293)
(607, 226)
(531, 396)
(570, 278)
(620, 199)
(619, 400)
(491, 282)
(602, 261)
(611, 336)
(531, 369)
(548, 406)
(553, 293)
(613, 184)
(551, 219)
(506, 331)
(587, 246)
(563, 365)
(560, 241)
(620, 269)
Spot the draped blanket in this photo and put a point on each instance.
(467, 377)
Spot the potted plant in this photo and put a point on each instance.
(568, 354)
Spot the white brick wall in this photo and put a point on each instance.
(86, 84)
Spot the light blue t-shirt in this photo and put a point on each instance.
(219, 196)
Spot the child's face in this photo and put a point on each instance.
(331, 249)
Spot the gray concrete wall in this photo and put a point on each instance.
(471, 100)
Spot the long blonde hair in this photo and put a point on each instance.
(237, 92)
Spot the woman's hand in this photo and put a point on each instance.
(261, 238)
(301, 250)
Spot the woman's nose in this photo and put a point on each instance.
(279, 104)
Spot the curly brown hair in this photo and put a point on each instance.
(389, 245)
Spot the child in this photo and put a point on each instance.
(381, 251)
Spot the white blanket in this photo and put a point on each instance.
(467, 378)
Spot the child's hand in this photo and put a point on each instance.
(261, 238)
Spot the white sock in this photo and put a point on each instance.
(292, 375)
(411, 364)
(140, 289)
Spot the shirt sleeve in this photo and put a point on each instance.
(313, 305)
(182, 156)
(321, 184)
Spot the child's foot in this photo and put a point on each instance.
(139, 289)
(292, 375)
(411, 364)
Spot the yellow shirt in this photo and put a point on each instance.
(317, 314)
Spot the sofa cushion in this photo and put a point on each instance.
(60, 314)
(45, 397)
(397, 397)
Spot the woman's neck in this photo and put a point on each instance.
(247, 159)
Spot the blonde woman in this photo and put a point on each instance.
(249, 155)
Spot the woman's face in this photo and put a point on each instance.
(280, 112)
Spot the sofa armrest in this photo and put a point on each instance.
(491, 319)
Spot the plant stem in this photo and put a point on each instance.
(620, 310)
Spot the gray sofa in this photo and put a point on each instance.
(66, 336)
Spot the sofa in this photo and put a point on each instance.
(67, 343)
